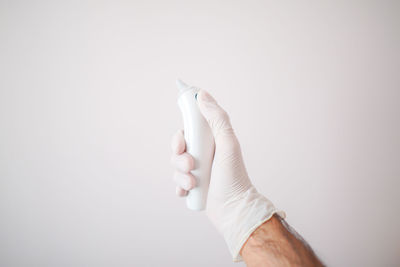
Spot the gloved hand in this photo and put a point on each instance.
(234, 206)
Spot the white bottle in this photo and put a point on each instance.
(199, 144)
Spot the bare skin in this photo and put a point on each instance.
(274, 243)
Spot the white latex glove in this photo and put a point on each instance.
(234, 206)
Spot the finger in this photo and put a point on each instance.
(185, 180)
(183, 162)
(178, 144)
(214, 114)
(180, 192)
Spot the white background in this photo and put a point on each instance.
(88, 107)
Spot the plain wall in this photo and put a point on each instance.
(88, 107)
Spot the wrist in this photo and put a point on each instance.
(265, 242)
(242, 217)
(275, 243)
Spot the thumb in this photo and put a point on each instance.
(216, 116)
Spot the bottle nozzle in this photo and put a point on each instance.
(182, 86)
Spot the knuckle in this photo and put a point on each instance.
(191, 181)
(188, 162)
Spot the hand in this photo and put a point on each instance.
(233, 205)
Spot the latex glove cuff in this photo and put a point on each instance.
(243, 216)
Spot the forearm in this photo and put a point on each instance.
(273, 244)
